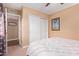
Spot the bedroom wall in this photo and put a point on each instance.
(25, 27)
(69, 23)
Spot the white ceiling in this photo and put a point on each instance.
(52, 8)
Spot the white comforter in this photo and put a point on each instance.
(54, 46)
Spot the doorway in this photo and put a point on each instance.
(13, 30)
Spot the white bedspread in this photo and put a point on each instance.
(54, 46)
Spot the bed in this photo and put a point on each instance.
(55, 46)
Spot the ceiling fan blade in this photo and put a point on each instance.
(47, 4)
(61, 3)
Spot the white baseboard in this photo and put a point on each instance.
(25, 46)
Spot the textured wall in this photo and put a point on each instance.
(69, 23)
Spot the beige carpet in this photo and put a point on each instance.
(16, 51)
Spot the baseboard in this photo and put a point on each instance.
(25, 46)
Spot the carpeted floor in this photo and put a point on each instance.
(16, 51)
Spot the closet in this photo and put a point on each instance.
(10, 29)
(13, 27)
(38, 28)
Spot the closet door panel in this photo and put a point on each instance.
(44, 28)
(34, 28)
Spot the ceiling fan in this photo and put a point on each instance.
(50, 3)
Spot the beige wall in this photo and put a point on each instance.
(69, 23)
(25, 26)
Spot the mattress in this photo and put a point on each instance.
(55, 46)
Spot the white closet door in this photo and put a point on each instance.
(34, 28)
(44, 29)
